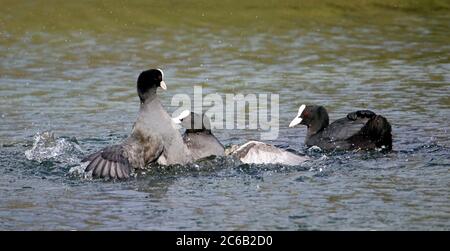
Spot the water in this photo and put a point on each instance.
(71, 70)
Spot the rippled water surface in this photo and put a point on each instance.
(71, 69)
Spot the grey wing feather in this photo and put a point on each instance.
(109, 163)
(255, 152)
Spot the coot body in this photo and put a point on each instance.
(362, 129)
(198, 136)
(153, 138)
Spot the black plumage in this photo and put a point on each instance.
(361, 129)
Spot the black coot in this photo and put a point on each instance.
(362, 129)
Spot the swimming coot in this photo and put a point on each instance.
(362, 129)
(153, 138)
(198, 137)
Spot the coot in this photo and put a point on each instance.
(361, 129)
(198, 136)
(153, 137)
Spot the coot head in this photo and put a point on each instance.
(193, 122)
(313, 116)
(148, 81)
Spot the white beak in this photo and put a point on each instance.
(163, 85)
(183, 114)
(297, 120)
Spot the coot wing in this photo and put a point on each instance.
(255, 152)
(343, 129)
(110, 162)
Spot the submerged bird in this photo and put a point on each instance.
(153, 137)
(198, 137)
(362, 129)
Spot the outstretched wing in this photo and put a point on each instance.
(110, 162)
(255, 152)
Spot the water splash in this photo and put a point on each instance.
(78, 171)
(315, 149)
(47, 148)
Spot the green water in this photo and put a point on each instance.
(71, 67)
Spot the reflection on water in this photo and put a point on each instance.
(75, 75)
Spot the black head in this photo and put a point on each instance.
(193, 122)
(313, 116)
(148, 81)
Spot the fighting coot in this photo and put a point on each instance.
(198, 137)
(153, 138)
(362, 129)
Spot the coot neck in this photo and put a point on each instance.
(319, 123)
(148, 97)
